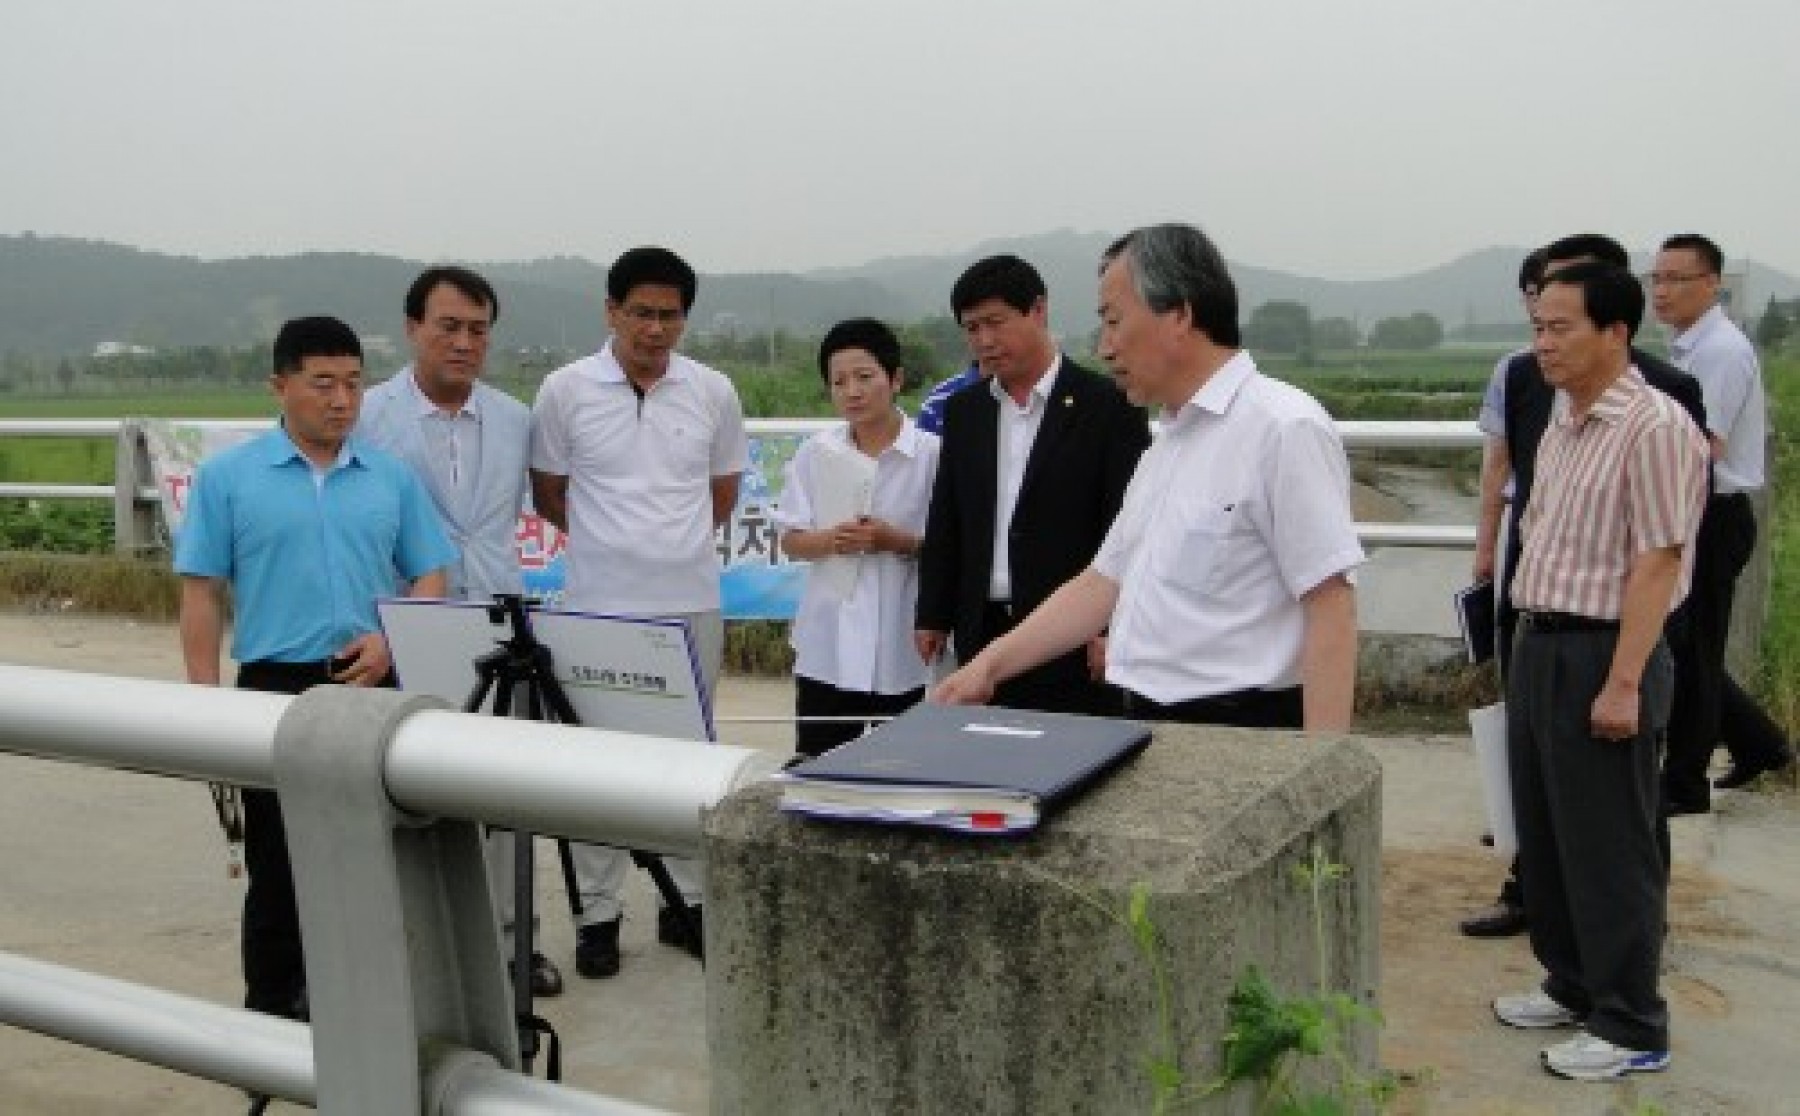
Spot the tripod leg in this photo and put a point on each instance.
(672, 897)
(571, 886)
(524, 920)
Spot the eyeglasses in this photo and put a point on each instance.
(477, 330)
(644, 315)
(1672, 278)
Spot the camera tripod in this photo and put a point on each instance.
(522, 668)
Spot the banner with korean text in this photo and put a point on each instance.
(756, 582)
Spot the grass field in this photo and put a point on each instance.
(170, 404)
(90, 460)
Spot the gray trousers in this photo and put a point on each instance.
(600, 869)
(1594, 876)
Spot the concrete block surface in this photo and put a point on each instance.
(865, 968)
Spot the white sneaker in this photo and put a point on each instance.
(1591, 1058)
(1533, 1011)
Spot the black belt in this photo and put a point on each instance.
(1555, 622)
(1253, 708)
(268, 675)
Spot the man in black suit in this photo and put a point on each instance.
(1032, 471)
(1526, 411)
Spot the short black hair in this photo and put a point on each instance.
(1609, 294)
(867, 334)
(1531, 269)
(651, 266)
(316, 336)
(1599, 246)
(1702, 246)
(1172, 266)
(1007, 278)
(473, 286)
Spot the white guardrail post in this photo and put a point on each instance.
(401, 939)
(135, 519)
(382, 795)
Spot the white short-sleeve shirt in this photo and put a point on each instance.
(1715, 352)
(863, 642)
(1491, 418)
(640, 480)
(1240, 506)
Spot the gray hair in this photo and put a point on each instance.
(1172, 266)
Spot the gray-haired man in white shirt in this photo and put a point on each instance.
(1226, 576)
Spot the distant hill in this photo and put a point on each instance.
(60, 295)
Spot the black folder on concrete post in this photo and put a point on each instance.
(976, 769)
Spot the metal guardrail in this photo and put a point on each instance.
(382, 871)
(131, 533)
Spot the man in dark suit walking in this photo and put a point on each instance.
(1032, 471)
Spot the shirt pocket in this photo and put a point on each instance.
(1212, 555)
(683, 442)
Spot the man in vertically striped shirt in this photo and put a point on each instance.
(1620, 485)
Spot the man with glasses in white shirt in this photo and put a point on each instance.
(1709, 705)
(636, 452)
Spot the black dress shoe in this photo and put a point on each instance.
(597, 950)
(1743, 774)
(1502, 920)
(1682, 807)
(546, 979)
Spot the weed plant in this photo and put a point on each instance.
(56, 526)
(1268, 1037)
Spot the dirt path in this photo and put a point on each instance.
(120, 874)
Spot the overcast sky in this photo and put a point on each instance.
(1342, 138)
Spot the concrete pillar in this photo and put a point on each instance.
(134, 523)
(859, 968)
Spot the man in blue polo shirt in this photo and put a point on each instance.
(306, 528)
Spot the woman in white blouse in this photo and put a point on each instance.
(853, 503)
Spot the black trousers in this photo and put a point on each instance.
(813, 698)
(1593, 872)
(1061, 685)
(1746, 729)
(273, 958)
(1698, 633)
(1284, 708)
(1506, 624)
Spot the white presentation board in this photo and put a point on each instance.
(629, 674)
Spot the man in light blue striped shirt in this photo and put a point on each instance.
(467, 442)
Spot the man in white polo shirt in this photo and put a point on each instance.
(1226, 577)
(636, 452)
